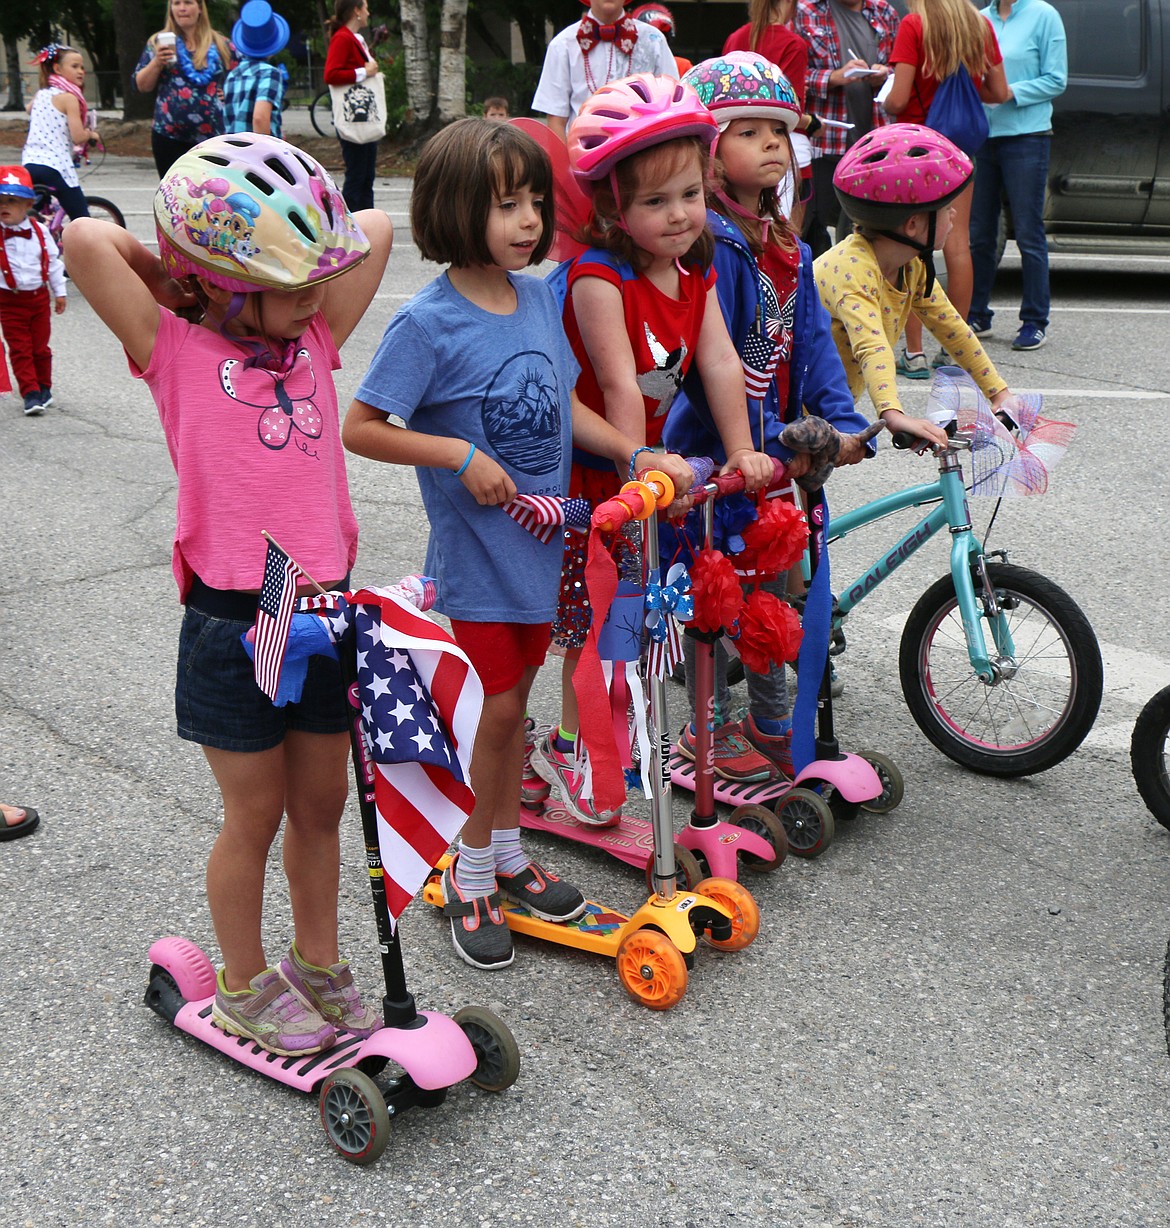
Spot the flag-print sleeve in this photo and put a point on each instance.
(851, 292)
(951, 331)
(400, 376)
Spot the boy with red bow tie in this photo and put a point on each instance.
(603, 46)
(30, 272)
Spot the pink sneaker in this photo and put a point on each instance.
(557, 769)
(533, 790)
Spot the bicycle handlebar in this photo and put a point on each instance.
(639, 500)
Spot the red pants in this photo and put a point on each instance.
(25, 321)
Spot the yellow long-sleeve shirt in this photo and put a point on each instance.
(868, 315)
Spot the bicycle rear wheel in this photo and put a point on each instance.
(321, 113)
(105, 210)
(1044, 702)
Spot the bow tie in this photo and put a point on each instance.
(624, 33)
(26, 233)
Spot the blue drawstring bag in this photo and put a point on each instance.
(956, 112)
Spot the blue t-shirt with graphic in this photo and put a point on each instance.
(447, 367)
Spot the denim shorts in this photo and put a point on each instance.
(217, 701)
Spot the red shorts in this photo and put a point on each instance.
(501, 652)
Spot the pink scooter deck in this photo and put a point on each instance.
(851, 775)
(435, 1055)
(632, 840)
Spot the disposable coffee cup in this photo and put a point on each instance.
(164, 38)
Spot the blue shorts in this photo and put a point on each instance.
(217, 701)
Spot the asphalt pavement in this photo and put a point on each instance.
(953, 1017)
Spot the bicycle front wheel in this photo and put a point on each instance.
(321, 113)
(1148, 755)
(1045, 699)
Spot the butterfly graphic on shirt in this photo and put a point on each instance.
(284, 396)
(661, 383)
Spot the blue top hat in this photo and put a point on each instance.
(260, 32)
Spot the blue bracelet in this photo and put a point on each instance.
(462, 468)
(634, 457)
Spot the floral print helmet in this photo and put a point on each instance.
(742, 85)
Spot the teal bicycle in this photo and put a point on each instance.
(999, 667)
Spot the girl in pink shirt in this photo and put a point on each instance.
(253, 241)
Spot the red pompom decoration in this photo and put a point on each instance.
(769, 631)
(774, 541)
(717, 591)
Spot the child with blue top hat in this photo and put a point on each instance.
(254, 90)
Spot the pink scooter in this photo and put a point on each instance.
(434, 1051)
(754, 836)
(834, 785)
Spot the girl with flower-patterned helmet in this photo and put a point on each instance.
(775, 319)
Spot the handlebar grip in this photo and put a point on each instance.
(903, 439)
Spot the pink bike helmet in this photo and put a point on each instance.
(251, 212)
(742, 85)
(627, 116)
(897, 171)
(656, 15)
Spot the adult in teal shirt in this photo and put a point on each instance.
(1014, 162)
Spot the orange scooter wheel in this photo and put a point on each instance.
(652, 969)
(745, 912)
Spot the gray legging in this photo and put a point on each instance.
(767, 693)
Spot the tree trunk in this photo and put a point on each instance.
(130, 34)
(452, 93)
(417, 53)
(15, 92)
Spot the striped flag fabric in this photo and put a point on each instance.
(274, 610)
(544, 515)
(420, 704)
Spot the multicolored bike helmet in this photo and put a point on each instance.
(741, 85)
(897, 171)
(251, 212)
(656, 15)
(632, 114)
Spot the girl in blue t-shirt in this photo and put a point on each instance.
(478, 367)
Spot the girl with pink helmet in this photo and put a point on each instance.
(896, 184)
(640, 312)
(262, 274)
(769, 299)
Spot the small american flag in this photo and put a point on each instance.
(420, 705)
(274, 611)
(542, 515)
(759, 356)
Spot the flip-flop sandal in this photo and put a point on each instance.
(26, 826)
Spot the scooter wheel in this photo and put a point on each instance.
(685, 862)
(760, 821)
(497, 1056)
(354, 1114)
(652, 969)
(808, 821)
(893, 783)
(745, 912)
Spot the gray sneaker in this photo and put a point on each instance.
(330, 992)
(269, 1013)
(542, 893)
(478, 929)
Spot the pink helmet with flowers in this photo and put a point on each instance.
(632, 114)
(251, 212)
(742, 85)
(897, 171)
